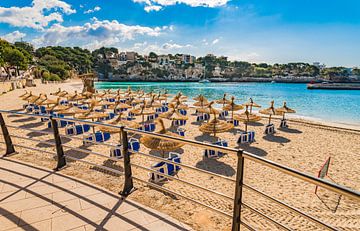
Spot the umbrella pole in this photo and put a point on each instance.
(246, 126)
(284, 116)
(232, 116)
(250, 109)
(93, 126)
(269, 119)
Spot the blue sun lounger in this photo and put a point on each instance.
(133, 145)
(181, 131)
(166, 168)
(148, 127)
(96, 137)
(202, 117)
(60, 123)
(209, 153)
(179, 122)
(77, 129)
(246, 137)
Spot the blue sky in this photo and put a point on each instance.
(257, 31)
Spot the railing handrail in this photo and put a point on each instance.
(242, 155)
(293, 172)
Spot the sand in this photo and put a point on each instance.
(304, 146)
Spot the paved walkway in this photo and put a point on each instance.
(33, 198)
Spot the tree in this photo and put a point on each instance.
(13, 58)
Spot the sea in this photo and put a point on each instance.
(334, 106)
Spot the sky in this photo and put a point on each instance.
(276, 31)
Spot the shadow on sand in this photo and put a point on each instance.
(290, 130)
(166, 154)
(276, 139)
(64, 140)
(32, 125)
(215, 166)
(253, 150)
(206, 137)
(255, 124)
(23, 120)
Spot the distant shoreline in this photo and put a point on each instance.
(217, 80)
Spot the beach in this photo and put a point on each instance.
(304, 146)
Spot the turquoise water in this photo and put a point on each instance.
(340, 106)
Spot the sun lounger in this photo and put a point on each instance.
(77, 129)
(283, 123)
(133, 145)
(181, 131)
(183, 112)
(223, 114)
(214, 153)
(148, 127)
(111, 116)
(117, 110)
(202, 117)
(246, 137)
(270, 129)
(96, 137)
(179, 122)
(53, 114)
(166, 168)
(162, 109)
(152, 117)
(64, 102)
(60, 123)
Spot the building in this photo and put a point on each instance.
(188, 59)
(127, 56)
(163, 59)
(319, 65)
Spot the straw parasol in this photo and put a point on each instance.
(159, 144)
(251, 104)
(283, 110)
(215, 125)
(57, 92)
(118, 122)
(142, 110)
(223, 100)
(201, 101)
(232, 106)
(269, 111)
(72, 110)
(246, 117)
(152, 102)
(47, 101)
(26, 94)
(37, 99)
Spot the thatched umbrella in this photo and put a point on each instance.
(71, 111)
(159, 144)
(47, 101)
(152, 103)
(251, 104)
(215, 125)
(269, 111)
(142, 110)
(57, 92)
(118, 122)
(63, 94)
(37, 99)
(246, 117)
(283, 110)
(119, 105)
(92, 115)
(26, 94)
(223, 100)
(178, 105)
(201, 101)
(232, 106)
(75, 97)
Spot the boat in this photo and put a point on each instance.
(204, 81)
(273, 81)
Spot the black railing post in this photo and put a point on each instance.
(9, 145)
(238, 192)
(61, 161)
(128, 185)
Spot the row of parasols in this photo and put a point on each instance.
(94, 106)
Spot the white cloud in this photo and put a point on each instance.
(168, 47)
(156, 5)
(35, 16)
(215, 41)
(96, 8)
(95, 34)
(152, 8)
(13, 36)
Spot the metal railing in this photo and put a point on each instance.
(242, 155)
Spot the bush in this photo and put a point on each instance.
(46, 75)
(54, 77)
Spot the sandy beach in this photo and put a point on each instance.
(304, 146)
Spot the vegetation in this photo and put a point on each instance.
(57, 63)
